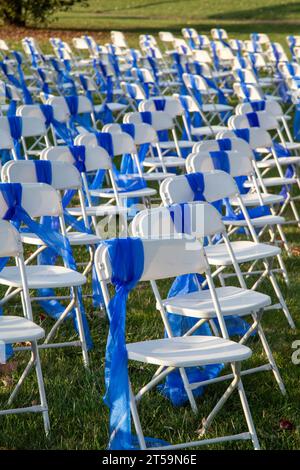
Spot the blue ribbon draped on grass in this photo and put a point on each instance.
(127, 262)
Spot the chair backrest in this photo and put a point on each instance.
(215, 145)
(258, 138)
(160, 120)
(269, 106)
(96, 158)
(80, 43)
(133, 91)
(203, 220)
(60, 108)
(64, 175)
(172, 105)
(240, 163)
(3, 45)
(118, 39)
(217, 185)
(31, 126)
(245, 75)
(6, 141)
(121, 142)
(265, 121)
(254, 92)
(163, 259)
(10, 241)
(143, 133)
(38, 199)
(166, 36)
(218, 33)
(30, 111)
(142, 74)
(198, 82)
(15, 94)
(202, 56)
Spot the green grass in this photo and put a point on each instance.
(77, 413)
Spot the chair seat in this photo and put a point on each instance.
(272, 181)
(252, 199)
(155, 176)
(99, 211)
(219, 108)
(258, 221)
(75, 238)
(42, 276)
(182, 143)
(107, 193)
(169, 162)
(271, 163)
(292, 145)
(17, 329)
(188, 351)
(208, 130)
(233, 301)
(113, 107)
(244, 251)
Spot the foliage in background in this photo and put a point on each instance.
(24, 12)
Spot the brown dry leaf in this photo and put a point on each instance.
(295, 250)
(286, 425)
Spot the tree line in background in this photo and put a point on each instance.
(31, 12)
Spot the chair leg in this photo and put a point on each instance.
(25, 373)
(206, 422)
(41, 386)
(136, 419)
(271, 359)
(247, 414)
(281, 299)
(81, 330)
(188, 390)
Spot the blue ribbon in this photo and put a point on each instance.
(12, 194)
(252, 119)
(127, 262)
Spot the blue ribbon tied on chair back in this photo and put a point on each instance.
(127, 262)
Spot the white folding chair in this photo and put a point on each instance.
(32, 128)
(65, 177)
(16, 329)
(205, 221)
(41, 200)
(269, 123)
(122, 143)
(219, 186)
(164, 259)
(160, 121)
(143, 134)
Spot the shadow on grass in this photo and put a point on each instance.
(201, 27)
(267, 12)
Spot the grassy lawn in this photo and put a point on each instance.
(77, 413)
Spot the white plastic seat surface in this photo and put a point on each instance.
(244, 251)
(188, 351)
(42, 276)
(233, 301)
(17, 329)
